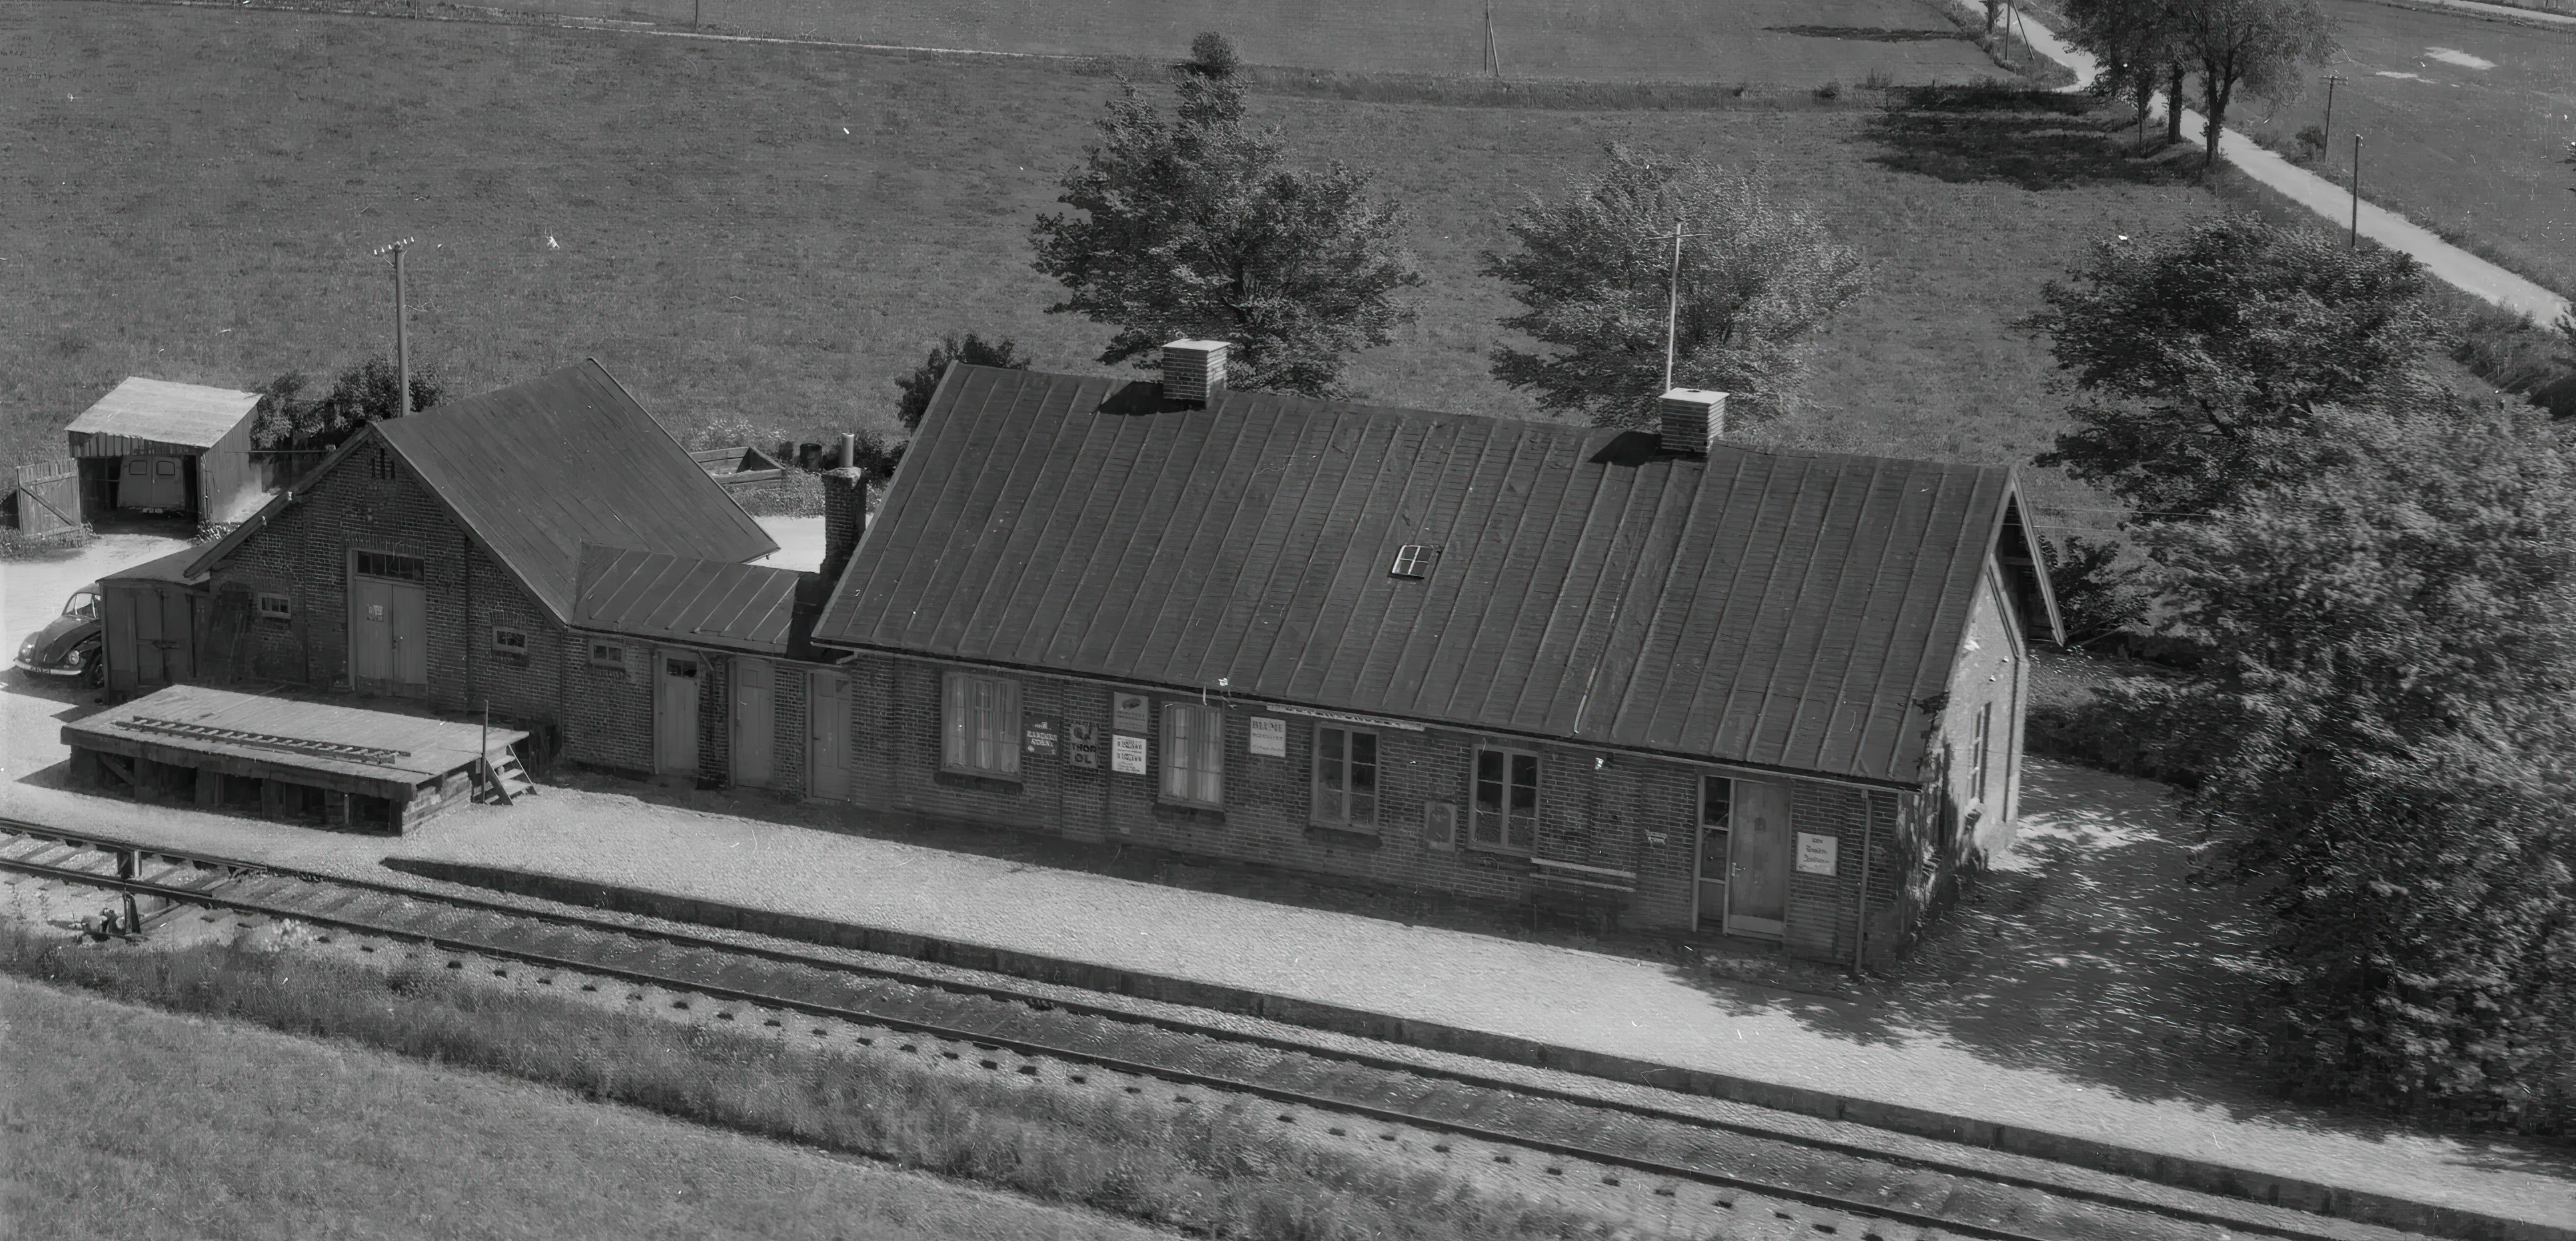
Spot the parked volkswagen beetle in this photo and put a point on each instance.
(68, 648)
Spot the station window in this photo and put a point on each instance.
(1346, 778)
(1977, 753)
(980, 725)
(509, 641)
(608, 654)
(1193, 754)
(387, 564)
(276, 608)
(1506, 805)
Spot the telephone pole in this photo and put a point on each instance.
(1493, 53)
(2355, 243)
(1673, 300)
(2332, 80)
(402, 333)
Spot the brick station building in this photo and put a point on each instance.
(1779, 693)
(545, 551)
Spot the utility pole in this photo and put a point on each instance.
(2332, 80)
(2355, 243)
(402, 332)
(1493, 54)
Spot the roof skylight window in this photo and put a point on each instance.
(1412, 560)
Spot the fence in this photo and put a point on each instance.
(44, 498)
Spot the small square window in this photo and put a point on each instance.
(276, 608)
(1413, 560)
(509, 641)
(608, 654)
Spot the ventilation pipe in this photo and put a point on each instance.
(1693, 420)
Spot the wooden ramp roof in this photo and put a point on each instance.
(680, 599)
(384, 749)
(1787, 610)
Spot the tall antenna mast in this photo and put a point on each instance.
(1673, 300)
(1493, 53)
(402, 333)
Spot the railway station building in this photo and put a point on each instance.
(1704, 685)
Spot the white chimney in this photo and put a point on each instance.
(1692, 419)
(1194, 371)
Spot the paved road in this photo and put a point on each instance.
(2447, 262)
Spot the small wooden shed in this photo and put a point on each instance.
(153, 613)
(159, 447)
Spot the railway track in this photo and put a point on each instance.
(1784, 1179)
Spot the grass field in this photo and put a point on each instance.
(771, 234)
(143, 1123)
(2465, 126)
(1795, 42)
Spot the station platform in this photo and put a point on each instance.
(283, 758)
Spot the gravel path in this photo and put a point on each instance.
(2012, 1047)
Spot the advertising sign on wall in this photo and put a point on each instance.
(1816, 853)
(1270, 737)
(1130, 712)
(1127, 754)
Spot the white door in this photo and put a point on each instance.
(755, 721)
(410, 634)
(675, 715)
(827, 736)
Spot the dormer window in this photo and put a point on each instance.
(1413, 560)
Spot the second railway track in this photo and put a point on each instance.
(1833, 1187)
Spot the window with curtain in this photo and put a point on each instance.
(982, 725)
(1346, 778)
(1193, 754)
(1506, 809)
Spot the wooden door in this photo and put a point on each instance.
(124, 658)
(410, 653)
(755, 721)
(371, 629)
(1712, 876)
(1758, 887)
(827, 736)
(178, 634)
(675, 715)
(143, 612)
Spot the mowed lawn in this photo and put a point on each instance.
(2465, 125)
(1791, 42)
(765, 233)
(131, 1122)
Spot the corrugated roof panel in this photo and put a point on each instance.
(678, 599)
(191, 415)
(1760, 607)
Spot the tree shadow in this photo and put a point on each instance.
(2035, 140)
(1872, 34)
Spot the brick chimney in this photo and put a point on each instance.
(845, 518)
(1692, 420)
(1194, 371)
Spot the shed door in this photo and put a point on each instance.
(755, 721)
(143, 636)
(410, 633)
(675, 715)
(178, 634)
(371, 630)
(1758, 891)
(828, 736)
(123, 657)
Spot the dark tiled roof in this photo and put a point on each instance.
(678, 599)
(1779, 609)
(539, 468)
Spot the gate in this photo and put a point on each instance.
(47, 497)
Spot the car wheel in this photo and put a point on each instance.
(96, 677)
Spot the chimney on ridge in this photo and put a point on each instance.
(1194, 371)
(1692, 420)
(845, 518)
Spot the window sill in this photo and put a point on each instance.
(951, 778)
(1189, 811)
(1345, 837)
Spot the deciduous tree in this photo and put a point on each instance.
(917, 387)
(2137, 43)
(2261, 48)
(1193, 227)
(285, 420)
(2202, 357)
(1594, 270)
(2391, 668)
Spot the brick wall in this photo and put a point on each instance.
(1626, 813)
(1990, 673)
(304, 553)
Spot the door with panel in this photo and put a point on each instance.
(827, 736)
(675, 714)
(1757, 897)
(755, 721)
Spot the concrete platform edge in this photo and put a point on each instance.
(2202, 1175)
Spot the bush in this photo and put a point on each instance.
(2311, 145)
(2097, 596)
(1212, 55)
(2515, 353)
